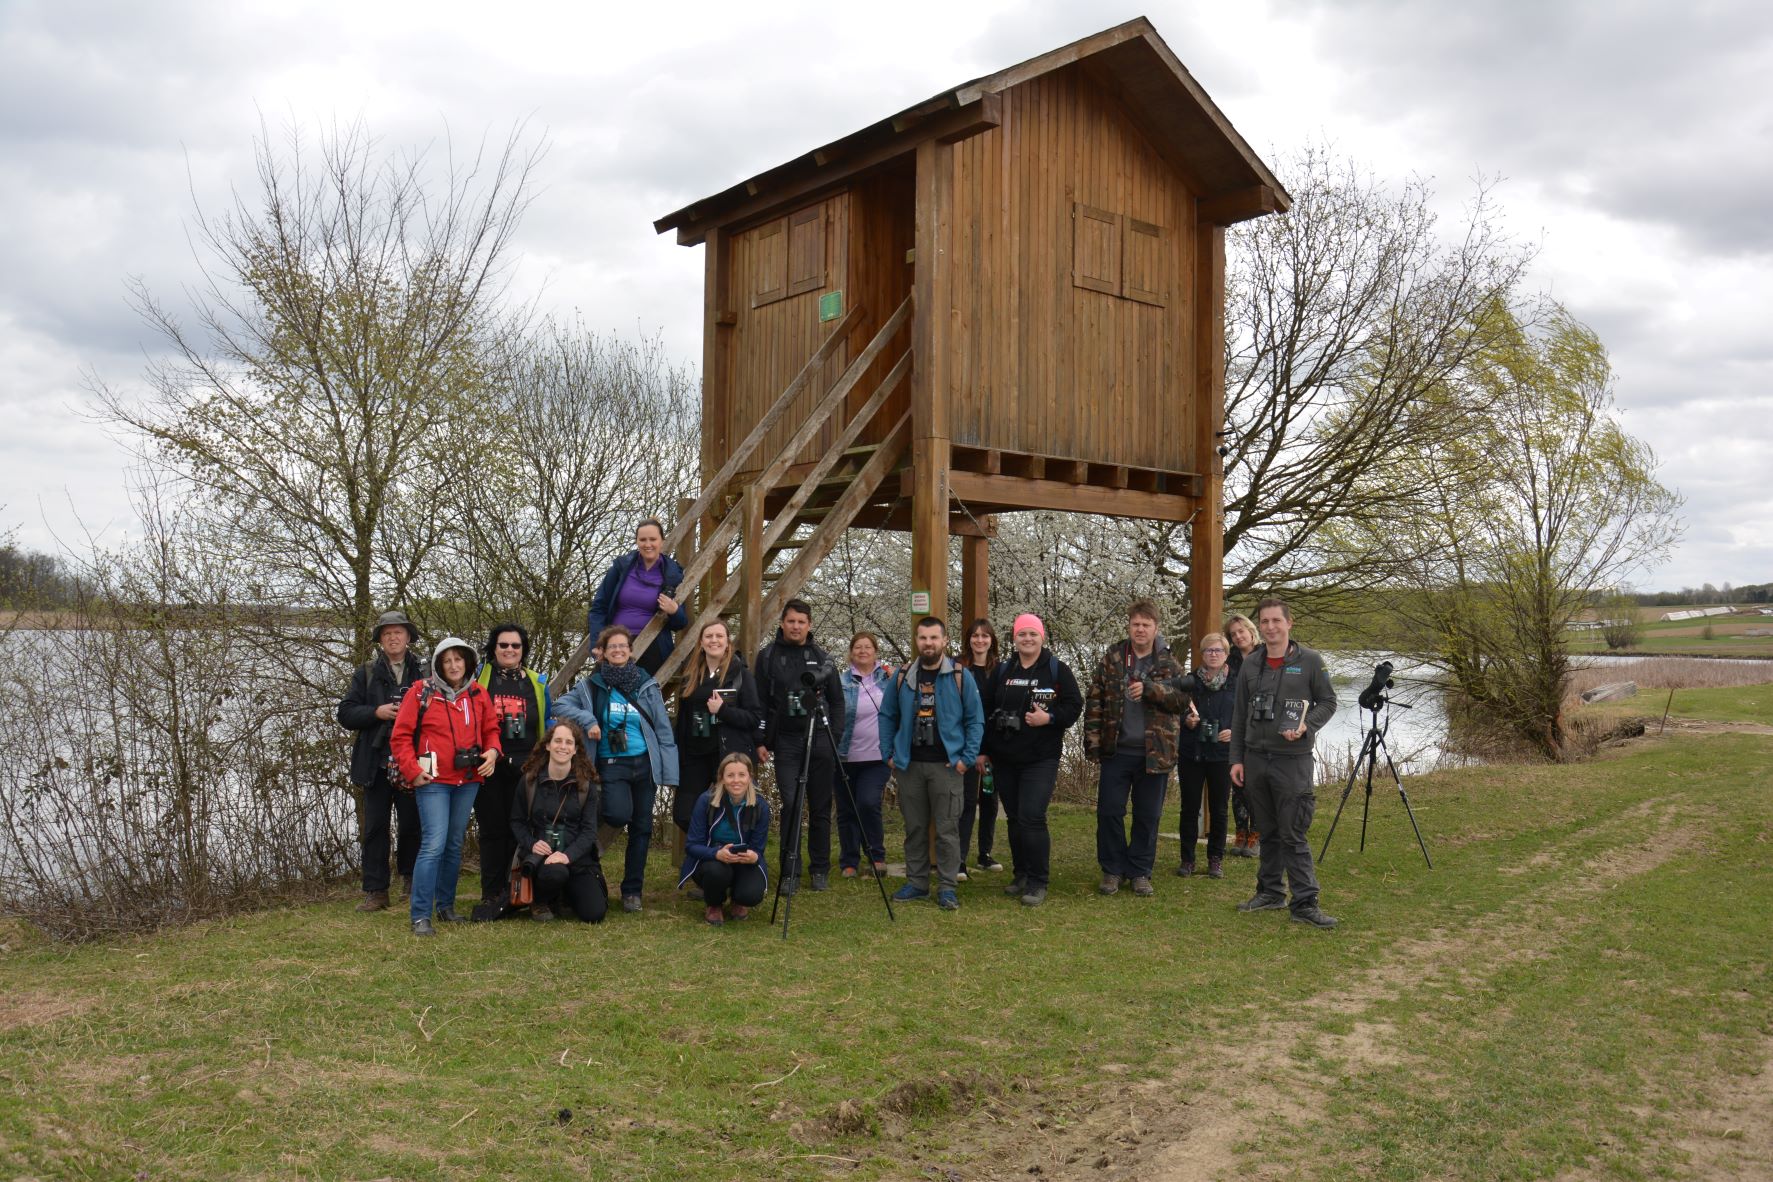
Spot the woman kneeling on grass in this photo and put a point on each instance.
(724, 851)
(554, 825)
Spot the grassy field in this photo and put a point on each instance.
(1579, 989)
(1719, 636)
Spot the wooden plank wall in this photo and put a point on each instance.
(882, 230)
(1042, 365)
(771, 343)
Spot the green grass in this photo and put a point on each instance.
(1746, 703)
(1582, 971)
(1717, 636)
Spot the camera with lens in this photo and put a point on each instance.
(923, 732)
(1007, 721)
(1262, 707)
(469, 757)
(511, 727)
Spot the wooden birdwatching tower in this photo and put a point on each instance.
(1010, 296)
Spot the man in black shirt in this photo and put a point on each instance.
(793, 675)
(368, 708)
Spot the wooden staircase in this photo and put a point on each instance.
(779, 555)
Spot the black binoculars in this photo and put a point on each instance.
(468, 757)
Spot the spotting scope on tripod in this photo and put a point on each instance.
(1374, 699)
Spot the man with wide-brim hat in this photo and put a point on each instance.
(368, 708)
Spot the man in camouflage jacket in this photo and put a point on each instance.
(1132, 724)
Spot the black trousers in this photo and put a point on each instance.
(722, 882)
(790, 755)
(492, 817)
(379, 800)
(1214, 781)
(1026, 790)
(695, 775)
(582, 888)
(984, 806)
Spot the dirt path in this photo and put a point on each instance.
(1197, 1123)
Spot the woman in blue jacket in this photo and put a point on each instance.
(1203, 763)
(620, 708)
(639, 585)
(724, 851)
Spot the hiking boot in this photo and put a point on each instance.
(1142, 886)
(1185, 870)
(630, 903)
(1110, 885)
(451, 915)
(1314, 916)
(374, 901)
(1262, 902)
(740, 912)
(880, 869)
(947, 899)
(1216, 867)
(1035, 896)
(961, 875)
(987, 862)
(695, 892)
(422, 927)
(714, 916)
(821, 882)
(1017, 889)
(791, 885)
(910, 894)
(849, 872)
(541, 912)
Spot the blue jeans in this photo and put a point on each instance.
(443, 822)
(1125, 779)
(859, 829)
(628, 795)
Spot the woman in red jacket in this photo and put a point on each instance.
(446, 739)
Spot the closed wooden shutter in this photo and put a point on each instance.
(806, 250)
(771, 270)
(1095, 249)
(1142, 267)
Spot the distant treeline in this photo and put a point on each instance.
(29, 580)
(1708, 594)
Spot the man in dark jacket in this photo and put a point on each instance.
(1284, 698)
(520, 699)
(368, 708)
(793, 674)
(1132, 720)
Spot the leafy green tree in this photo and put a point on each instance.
(1546, 497)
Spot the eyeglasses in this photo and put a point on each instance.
(1210, 651)
(510, 644)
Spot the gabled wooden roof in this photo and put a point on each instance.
(1160, 95)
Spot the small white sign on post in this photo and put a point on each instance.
(920, 603)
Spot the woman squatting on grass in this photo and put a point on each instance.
(729, 833)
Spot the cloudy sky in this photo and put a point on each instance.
(1634, 143)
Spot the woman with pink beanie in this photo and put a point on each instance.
(1029, 701)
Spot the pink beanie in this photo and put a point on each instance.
(1028, 620)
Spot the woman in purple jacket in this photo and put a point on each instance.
(639, 585)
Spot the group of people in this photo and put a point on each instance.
(553, 784)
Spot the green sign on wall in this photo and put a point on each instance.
(830, 306)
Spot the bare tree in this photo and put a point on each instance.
(1344, 318)
(585, 435)
(341, 344)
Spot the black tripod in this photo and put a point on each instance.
(815, 721)
(1371, 746)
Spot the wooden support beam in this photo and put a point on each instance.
(975, 583)
(1206, 563)
(717, 349)
(1240, 206)
(987, 114)
(931, 420)
(1109, 475)
(1015, 492)
(1142, 480)
(751, 622)
(1069, 471)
